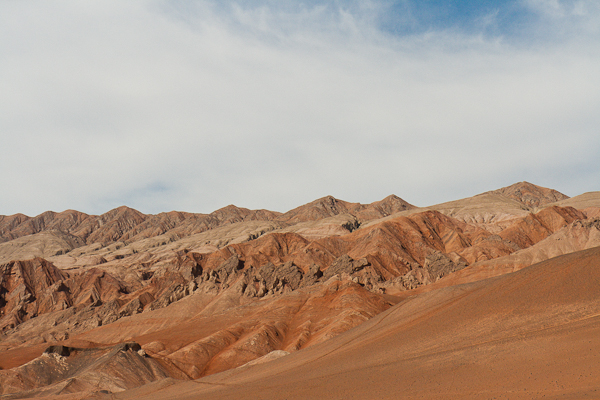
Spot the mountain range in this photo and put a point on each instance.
(491, 296)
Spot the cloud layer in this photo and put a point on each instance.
(195, 105)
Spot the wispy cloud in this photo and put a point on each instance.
(195, 105)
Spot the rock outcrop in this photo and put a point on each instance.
(65, 370)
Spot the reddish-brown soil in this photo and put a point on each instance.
(531, 334)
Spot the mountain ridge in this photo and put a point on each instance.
(255, 281)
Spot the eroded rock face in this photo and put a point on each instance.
(288, 322)
(439, 265)
(403, 253)
(312, 276)
(345, 265)
(436, 266)
(255, 282)
(29, 288)
(286, 274)
(64, 370)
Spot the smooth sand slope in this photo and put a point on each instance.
(531, 334)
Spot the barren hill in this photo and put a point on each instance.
(530, 195)
(531, 334)
(329, 206)
(495, 209)
(124, 223)
(193, 295)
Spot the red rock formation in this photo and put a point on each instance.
(535, 227)
(29, 288)
(210, 303)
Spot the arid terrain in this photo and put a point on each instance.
(495, 296)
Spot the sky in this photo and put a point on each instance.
(270, 104)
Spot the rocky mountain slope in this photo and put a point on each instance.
(528, 335)
(203, 293)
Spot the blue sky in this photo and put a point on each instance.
(194, 105)
(489, 17)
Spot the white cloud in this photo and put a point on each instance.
(199, 105)
(548, 7)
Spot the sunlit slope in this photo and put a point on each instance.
(531, 334)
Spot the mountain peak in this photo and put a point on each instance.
(530, 195)
(323, 207)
